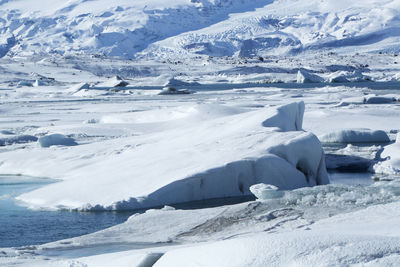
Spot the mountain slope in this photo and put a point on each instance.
(183, 28)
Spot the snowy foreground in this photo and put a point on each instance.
(118, 148)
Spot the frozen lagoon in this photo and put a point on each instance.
(103, 117)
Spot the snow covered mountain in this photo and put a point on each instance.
(187, 28)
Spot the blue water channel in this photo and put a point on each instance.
(20, 226)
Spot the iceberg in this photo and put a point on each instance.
(56, 140)
(305, 76)
(217, 157)
(391, 156)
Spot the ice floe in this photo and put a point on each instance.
(355, 136)
(56, 140)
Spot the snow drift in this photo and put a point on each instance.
(213, 158)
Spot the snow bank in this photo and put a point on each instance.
(369, 237)
(56, 140)
(355, 136)
(305, 76)
(210, 159)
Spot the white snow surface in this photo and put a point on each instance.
(218, 157)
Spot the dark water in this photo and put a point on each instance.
(20, 226)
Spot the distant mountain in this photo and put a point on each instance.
(184, 28)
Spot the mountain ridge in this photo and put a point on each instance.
(183, 28)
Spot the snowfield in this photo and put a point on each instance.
(231, 133)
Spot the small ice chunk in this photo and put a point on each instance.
(167, 208)
(345, 76)
(91, 121)
(173, 91)
(115, 81)
(305, 76)
(19, 139)
(175, 82)
(338, 77)
(56, 140)
(6, 132)
(355, 136)
(78, 87)
(265, 191)
(24, 83)
(372, 99)
(38, 83)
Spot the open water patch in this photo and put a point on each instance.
(20, 226)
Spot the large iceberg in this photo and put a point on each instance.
(219, 156)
